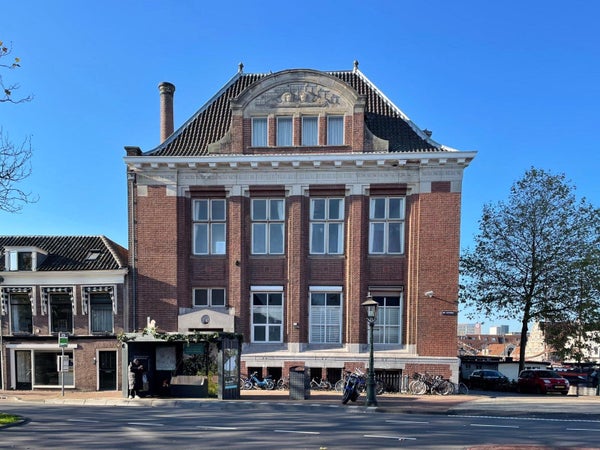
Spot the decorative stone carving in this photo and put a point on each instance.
(294, 95)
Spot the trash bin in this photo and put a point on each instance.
(299, 383)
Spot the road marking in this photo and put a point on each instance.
(216, 428)
(147, 424)
(398, 438)
(296, 432)
(583, 429)
(540, 419)
(83, 420)
(493, 426)
(405, 421)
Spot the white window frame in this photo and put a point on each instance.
(327, 223)
(267, 225)
(271, 311)
(209, 297)
(11, 317)
(383, 224)
(336, 138)
(214, 245)
(327, 317)
(283, 139)
(382, 330)
(310, 131)
(260, 132)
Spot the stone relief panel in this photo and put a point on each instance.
(298, 95)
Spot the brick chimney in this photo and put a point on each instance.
(166, 90)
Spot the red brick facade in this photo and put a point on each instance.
(162, 234)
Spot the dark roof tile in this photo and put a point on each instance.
(213, 120)
(69, 253)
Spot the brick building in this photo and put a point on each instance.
(280, 205)
(73, 286)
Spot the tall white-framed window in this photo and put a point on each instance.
(101, 312)
(20, 260)
(327, 226)
(310, 130)
(60, 312)
(21, 313)
(285, 131)
(335, 130)
(206, 297)
(386, 225)
(267, 314)
(259, 132)
(268, 226)
(325, 315)
(388, 327)
(209, 221)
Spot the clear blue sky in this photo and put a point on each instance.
(517, 81)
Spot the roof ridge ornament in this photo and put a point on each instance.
(241, 67)
(355, 65)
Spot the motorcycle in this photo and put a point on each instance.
(255, 383)
(351, 388)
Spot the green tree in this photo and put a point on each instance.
(15, 159)
(536, 258)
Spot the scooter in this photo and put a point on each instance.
(351, 388)
(254, 382)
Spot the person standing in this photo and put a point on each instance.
(135, 378)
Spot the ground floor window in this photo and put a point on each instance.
(267, 316)
(45, 373)
(388, 327)
(325, 317)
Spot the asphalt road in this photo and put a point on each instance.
(281, 425)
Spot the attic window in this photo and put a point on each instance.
(18, 260)
(93, 255)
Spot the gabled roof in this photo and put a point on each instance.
(213, 120)
(70, 253)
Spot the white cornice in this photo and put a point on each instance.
(366, 160)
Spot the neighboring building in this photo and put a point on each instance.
(72, 286)
(280, 205)
(488, 344)
(499, 329)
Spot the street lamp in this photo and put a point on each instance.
(371, 307)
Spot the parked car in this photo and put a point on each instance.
(542, 381)
(488, 379)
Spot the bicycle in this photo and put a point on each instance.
(321, 385)
(425, 383)
(461, 388)
(283, 384)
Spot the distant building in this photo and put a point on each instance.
(465, 329)
(499, 330)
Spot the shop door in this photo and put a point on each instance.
(107, 370)
(23, 360)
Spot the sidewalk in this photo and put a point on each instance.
(484, 403)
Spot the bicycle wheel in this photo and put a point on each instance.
(326, 385)
(417, 387)
(444, 388)
(339, 385)
(462, 389)
(248, 385)
(269, 385)
(379, 387)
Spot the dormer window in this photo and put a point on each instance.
(20, 260)
(284, 131)
(259, 132)
(23, 258)
(310, 131)
(335, 130)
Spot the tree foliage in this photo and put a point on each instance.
(536, 258)
(15, 159)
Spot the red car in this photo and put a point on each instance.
(542, 381)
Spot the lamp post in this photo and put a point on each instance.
(371, 307)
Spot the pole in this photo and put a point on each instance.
(371, 400)
(62, 373)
